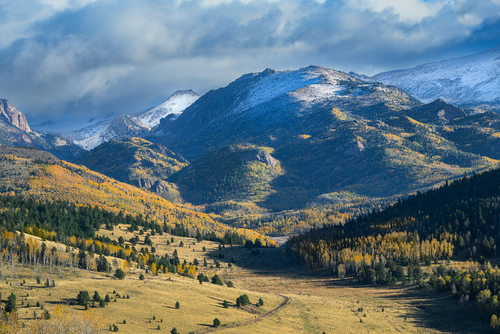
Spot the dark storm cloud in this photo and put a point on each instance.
(65, 58)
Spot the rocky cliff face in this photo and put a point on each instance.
(14, 116)
(15, 131)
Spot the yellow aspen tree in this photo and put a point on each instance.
(154, 270)
(125, 266)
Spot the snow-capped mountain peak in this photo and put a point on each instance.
(466, 80)
(175, 105)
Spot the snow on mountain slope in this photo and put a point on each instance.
(323, 83)
(175, 104)
(102, 130)
(123, 126)
(466, 80)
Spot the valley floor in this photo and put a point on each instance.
(314, 301)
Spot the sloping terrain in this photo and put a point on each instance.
(240, 173)
(138, 162)
(39, 175)
(172, 107)
(120, 127)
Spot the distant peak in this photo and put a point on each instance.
(268, 71)
(314, 67)
(184, 92)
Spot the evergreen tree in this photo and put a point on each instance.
(11, 303)
(83, 298)
(216, 280)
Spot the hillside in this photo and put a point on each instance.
(457, 222)
(138, 162)
(240, 173)
(257, 105)
(171, 107)
(28, 173)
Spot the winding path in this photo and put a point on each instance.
(286, 301)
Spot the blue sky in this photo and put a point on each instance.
(82, 58)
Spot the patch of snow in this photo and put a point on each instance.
(60, 142)
(90, 143)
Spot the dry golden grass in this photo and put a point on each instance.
(318, 303)
(154, 296)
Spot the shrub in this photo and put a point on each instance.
(216, 322)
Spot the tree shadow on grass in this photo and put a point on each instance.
(205, 325)
(441, 311)
(221, 302)
(63, 301)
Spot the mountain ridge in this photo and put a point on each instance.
(468, 80)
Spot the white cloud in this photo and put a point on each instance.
(473, 12)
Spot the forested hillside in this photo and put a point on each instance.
(29, 173)
(138, 162)
(461, 217)
(458, 221)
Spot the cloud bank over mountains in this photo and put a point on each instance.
(69, 58)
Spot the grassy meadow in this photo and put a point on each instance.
(318, 302)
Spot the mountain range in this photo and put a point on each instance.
(278, 140)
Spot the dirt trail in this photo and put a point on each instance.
(285, 302)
